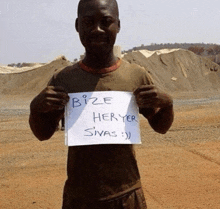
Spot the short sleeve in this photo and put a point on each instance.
(148, 79)
(51, 81)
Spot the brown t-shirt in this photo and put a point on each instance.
(101, 171)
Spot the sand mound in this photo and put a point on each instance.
(174, 70)
(11, 69)
(178, 70)
(29, 80)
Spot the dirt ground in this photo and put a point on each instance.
(179, 170)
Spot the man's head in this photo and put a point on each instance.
(98, 24)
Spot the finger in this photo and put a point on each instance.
(58, 107)
(143, 88)
(57, 88)
(59, 95)
(51, 107)
(146, 97)
(146, 94)
(152, 104)
(56, 101)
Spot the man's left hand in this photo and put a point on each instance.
(150, 96)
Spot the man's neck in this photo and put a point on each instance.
(100, 60)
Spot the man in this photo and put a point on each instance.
(100, 176)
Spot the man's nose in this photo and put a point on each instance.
(98, 28)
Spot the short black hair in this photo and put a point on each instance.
(113, 3)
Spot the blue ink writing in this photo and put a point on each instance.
(99, 117)
(77, 102)
(104, 117)
(93, 132)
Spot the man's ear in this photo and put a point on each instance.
(76, 25)
(119, 25)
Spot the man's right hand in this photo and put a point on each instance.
(50, 99)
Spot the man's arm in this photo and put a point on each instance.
(46, 110)
(156, 106)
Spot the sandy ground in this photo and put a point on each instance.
(179, 170)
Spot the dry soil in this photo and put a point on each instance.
(179, 170)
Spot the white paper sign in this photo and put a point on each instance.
(104, 117)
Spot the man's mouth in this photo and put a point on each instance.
(98, 40)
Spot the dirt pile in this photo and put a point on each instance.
(29, 80)
(178, 70)
(174, 70)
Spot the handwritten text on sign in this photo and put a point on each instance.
(106, 117)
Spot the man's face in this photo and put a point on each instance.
(98, 25)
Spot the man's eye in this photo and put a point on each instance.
(107, 21)
(88, 21)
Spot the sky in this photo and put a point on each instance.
(39, 31)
